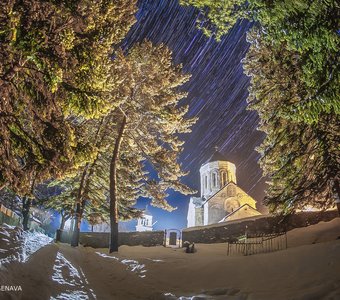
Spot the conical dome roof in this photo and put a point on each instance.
(216, 156)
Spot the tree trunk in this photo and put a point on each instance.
(61, 228)
(62, 223)
(76, 229)
(80, 202)
(77, 218)
(336, 193)
(113, 190)
(26, 205)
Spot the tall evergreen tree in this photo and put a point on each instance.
(55, 65)
(63, 202)
(85, 195)
(216, 18)
(301, 159)
(149, 121)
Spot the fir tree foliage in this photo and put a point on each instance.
(300, 159)
(149, 101)
(309, 30)
(216, 18)
(149, 123)
(10, 200)
(85, 194)
(63, 202)
(55, 66)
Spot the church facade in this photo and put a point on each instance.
(221, 198)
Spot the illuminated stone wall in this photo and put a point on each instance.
(101, 239)
(220, 233)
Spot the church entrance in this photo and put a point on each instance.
(173, 238)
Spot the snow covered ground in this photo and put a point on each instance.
(17, 245)
(308, 269)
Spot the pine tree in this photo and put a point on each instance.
(85, 196)
(216, 18)
(149, 122)
(63, 202)
(54, 72)
(88, 190)
(97, 215)
(309, 30)
(295, 90)
(300, 159)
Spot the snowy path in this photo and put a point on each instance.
(303, 272)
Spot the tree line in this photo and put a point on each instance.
(78, 113)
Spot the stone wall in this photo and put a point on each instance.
(101, 239)
(95, 239)
(147, 238)
(216, 233)
(65, 236)
(219, 233)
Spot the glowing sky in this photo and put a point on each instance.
(217, 95)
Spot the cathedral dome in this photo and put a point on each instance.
(216, 156)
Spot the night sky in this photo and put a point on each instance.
(217, 95)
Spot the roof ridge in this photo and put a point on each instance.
(231, 213)
(219, 191)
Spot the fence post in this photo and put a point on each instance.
(245, 241)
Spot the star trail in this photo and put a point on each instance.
(217, 95)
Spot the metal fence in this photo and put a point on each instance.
(255, 244)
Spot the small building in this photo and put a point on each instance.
(221, 197)
(145, 222)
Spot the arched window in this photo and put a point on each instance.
(202, 183)
(206, 181)
(214, 180)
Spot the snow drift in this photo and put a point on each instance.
(308, 269)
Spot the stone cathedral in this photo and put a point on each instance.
(221, 198)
